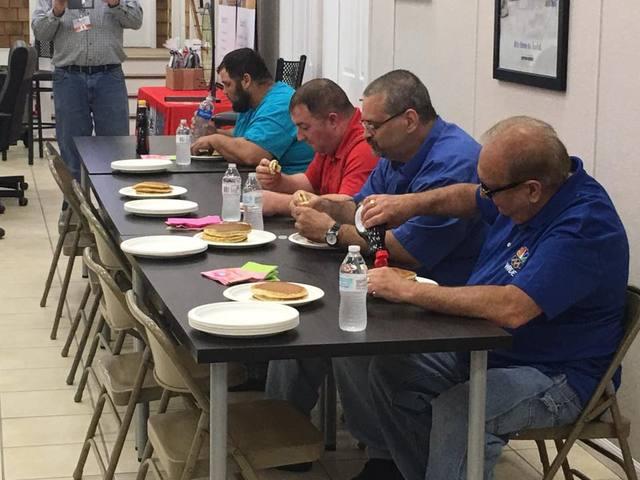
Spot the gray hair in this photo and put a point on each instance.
(535, 152)
(403, 90)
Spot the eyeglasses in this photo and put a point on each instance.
(372, 127)
(489, 193)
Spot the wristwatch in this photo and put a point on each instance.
(331, 237)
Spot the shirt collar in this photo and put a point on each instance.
(412, 167)
(558, 202)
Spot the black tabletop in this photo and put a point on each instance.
(97, 153)
(392, 328)
(176, 286)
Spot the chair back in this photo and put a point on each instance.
(291, 71)
(15, 91)
(631, 322)
(172, 366)
(108, 251)
(63, 179)
(116, 313)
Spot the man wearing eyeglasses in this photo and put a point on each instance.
(419, 151)
(552, 271)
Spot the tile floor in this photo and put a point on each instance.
(42, 429)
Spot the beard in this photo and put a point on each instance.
(243, 101)
(375, 147)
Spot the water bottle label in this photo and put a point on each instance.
(230, 188)
(353, 283)
(206, 114)
(183, 139)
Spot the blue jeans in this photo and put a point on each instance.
(86, 102)
(298, 382)
(421, 402)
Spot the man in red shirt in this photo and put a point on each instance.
(330, 124)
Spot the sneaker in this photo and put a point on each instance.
(379, 469)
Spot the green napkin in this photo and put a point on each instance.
(270, 271)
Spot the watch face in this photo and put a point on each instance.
(331, 238)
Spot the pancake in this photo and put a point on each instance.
(405, 274)
(274, 167)
(304, 198)
(152, 187)
(227, 232)
(278, 291)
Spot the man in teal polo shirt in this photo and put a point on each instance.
(264, 128)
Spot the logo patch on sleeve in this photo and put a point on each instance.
(517, 261)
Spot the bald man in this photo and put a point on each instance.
(552, 271)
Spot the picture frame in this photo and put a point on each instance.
(530, 42)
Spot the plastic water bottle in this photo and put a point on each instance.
(183, 144)
(252, 202)
(202, 117)
(231, 190)
(352, 316)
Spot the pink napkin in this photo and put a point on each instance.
(192, 223)
(231, 276)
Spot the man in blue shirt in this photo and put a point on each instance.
(552, 271)
(264, 128)
(419, 151)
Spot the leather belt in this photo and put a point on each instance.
(91, 69)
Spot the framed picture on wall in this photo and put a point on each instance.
(530, 42)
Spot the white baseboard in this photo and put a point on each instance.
(611, 447)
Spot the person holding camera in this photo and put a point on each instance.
(89, 88)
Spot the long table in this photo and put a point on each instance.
(392, 328)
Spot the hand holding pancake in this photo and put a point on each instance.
(312, 224)
(300, 198)
(393, 210)
(390, 283)
(267, 179)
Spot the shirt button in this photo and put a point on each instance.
(508, 244)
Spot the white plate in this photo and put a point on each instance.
(426, 280)
(242, 293)
(305, 242)
(160, 207)
(255, 238)
(243, 319)
(164, 246)
(131, 193)
(141, 166)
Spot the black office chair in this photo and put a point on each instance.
(291, 71)
(43, 50)
(13, 101)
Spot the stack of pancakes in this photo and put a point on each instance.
(405, 274)
(152, 187)
(227, 232)
(278, 291)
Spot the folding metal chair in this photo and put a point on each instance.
(601, 417)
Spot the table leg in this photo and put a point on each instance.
(142, 409)
(218, 421)
(477, 410)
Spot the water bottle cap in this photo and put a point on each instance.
(252, 174)
(232, 165)
(354, 248)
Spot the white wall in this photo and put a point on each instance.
(449, 44)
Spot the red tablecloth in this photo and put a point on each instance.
(172, 112)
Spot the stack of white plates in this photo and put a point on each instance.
(160, 207)
(243, 319)
(141, 166)
(163, 246)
